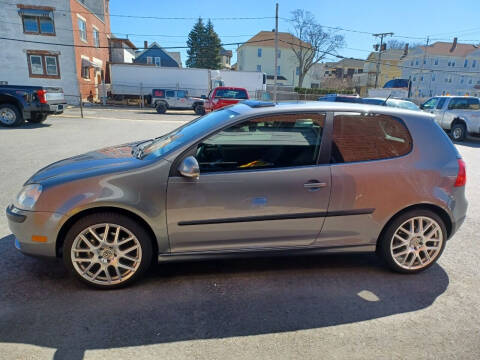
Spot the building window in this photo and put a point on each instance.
(278, 70)
(465, 64)
(433, 77)
(411, 63)
(279, 53)
(85, 69)
(259, 52)
(414, 78)
(43, 64)
(158, 61)
(453, 63)
(149, 60)
(462, 80)
(297, 70)
(96, 38)
(416, 62)
(37, 21)
(474, 63)
(259, 68)
(421, 79)
(424, 61)
(82, 28)
(436, 62)
(470, 81)
(449, 63)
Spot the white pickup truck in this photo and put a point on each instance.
(458, 114)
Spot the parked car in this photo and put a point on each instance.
(223, 96)
(341, 98)
(398, 103)
(163, 99)
(458, 114)
(31, 103)
(254, 178)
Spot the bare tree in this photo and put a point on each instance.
(310, 43)
(400, 45)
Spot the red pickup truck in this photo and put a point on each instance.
(223, 96)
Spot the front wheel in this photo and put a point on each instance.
(459, 132)
(413, 241)
(107, 250)
(199, 109)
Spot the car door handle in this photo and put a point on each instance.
(314, 185)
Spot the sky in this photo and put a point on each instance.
(410, 21)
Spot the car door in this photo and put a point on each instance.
(260, 186)
(439, 111)
(181, 101)
(171, 98)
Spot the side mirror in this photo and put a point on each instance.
(189, 168)
(421, 107)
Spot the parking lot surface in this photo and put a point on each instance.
(347, 306)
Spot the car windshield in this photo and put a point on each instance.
(402, 104)
(165, 144)
(231, 94)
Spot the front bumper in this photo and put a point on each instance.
(35, 231)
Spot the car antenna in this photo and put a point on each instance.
(385, 102)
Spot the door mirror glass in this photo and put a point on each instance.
(189, 167)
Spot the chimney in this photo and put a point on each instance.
(454, 45)
(145, 44)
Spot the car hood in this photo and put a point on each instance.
(94, 163)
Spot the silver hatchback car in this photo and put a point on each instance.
(254, 178)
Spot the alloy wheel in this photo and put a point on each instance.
(416, 243)
(457, 133)
(106, 254)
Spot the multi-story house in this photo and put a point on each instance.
(59, 43)
(121, 50)
(225, 58)
(388, 69)
(154, 54)
(443, 69)
(257, 54)
(336, 74)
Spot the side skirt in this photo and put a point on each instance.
(264, 252)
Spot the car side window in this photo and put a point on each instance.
(275, 141)
(181, 93)
(159, 93)
(170, 93)
(440, 104)
(430, 104)
(358, 137)
(473, 104)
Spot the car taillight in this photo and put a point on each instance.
(462, 174)
(41, 96)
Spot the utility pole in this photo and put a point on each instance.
(276, 56)
(379, 57)
(423, 63)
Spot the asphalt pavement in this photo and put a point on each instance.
(317, 307)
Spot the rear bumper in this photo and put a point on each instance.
(56, 108)
(35, 231)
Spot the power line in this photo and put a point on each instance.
(150, 16)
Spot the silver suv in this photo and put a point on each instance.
(164, 99)
(253, 178)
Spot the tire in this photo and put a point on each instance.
(38, 118)
(120, 260)
(10, 115)
(199, 109)
(459, 132)
(406, 253)
(161, 108)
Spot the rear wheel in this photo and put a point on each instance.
(413, 241)
(459, 132)
(10, 115)
(107, 250)
(199, 109)
(38, 118)
(161, 108)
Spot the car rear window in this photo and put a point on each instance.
(158, 93)
(231, 94)
(358, 137)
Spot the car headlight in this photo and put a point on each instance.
(28, 196)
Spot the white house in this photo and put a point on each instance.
(42, 64)
(443, 69)
(257, 54)
(121, 50)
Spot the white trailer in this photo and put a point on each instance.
(137, 79)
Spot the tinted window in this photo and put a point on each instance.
(396, 83)
(368, 137)
(441, 102)
(231, 94)
(463, 104)
(159, 93)
(266, 142)
(170, 93)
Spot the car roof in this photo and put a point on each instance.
(229, 88)
(245, 107)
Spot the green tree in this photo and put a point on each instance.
(203, 46)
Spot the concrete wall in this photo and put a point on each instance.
(13, 62)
